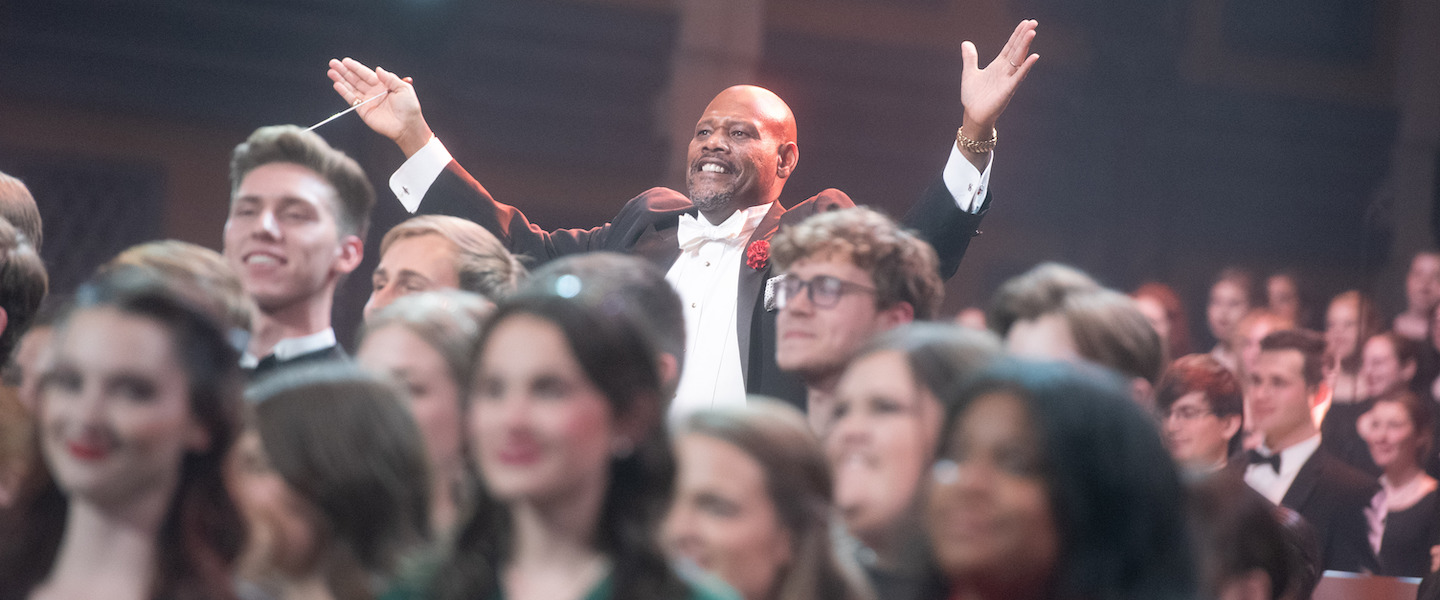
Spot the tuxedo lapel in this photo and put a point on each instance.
(752, 281)
(661, 245)
(1305, 482)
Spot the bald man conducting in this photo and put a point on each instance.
(714, 242)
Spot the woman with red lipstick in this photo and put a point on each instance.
(1052, 484)
(565, 425)
(135, 415)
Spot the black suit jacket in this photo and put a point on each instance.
(647, 226)
(1332, 497)
(269, 365)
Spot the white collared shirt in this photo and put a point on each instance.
(289, 348)
(1273, 485)
(707, 277)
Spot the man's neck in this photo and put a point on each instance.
(720, 215)
(296, 320)
(820, 400)
(1282, 441)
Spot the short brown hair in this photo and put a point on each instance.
(18, 207)
(483, 264)
(904, 267)
(1110, 330)
(1309, 344)
(354, 196)
(23, 284)
(1034, 293)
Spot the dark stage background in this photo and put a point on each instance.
(1155, 139)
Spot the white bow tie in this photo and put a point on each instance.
(693, 233)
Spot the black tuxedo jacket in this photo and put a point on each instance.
(647, 226)
(1332, 497)
(270, 365)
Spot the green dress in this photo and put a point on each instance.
(702, 587)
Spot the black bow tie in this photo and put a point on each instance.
(1255, 458)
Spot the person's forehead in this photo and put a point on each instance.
(1287, 360)
(286, 181)
(834, 263)
(1193, 398)
(1426, 262)
(739, 105)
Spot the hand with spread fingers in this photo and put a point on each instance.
(396, 115)
(984, 93)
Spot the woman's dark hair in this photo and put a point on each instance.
(1168, 299)
(939, 355)
(203, 531)
(619, 360)
(1405, 350)
(343, 440)
(1239, 531)
(1118, 503)
(799, 485)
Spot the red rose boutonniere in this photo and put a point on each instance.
(757, 256)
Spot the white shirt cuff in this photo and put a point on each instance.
(965, 183)
(413, 179)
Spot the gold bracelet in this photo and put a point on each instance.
(977, 147)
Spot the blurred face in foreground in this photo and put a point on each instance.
(989, 515)
(879, 445)
(723, 518)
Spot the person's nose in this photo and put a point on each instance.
(268, 226)
(379, 298)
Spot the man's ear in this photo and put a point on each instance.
(896, 315)
(4, 321)
(349, 254)
(668, 367)
(1143, 393)
(789, 156)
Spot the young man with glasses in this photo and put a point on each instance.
(1199, 405)
(846, 275)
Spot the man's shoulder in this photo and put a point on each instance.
(827, 200)
(1337, 475)
(659, 199)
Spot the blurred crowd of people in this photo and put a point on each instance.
(711, 396)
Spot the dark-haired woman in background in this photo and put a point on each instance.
(1162, 307)
(1400, 432)
(1052, 484)
(126, 500)
(565, 426)
(333, 479)
(753, 505)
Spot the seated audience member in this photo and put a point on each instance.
(126, 498)
(753, 505)
(1200, 406)
(426, 342)
(23, 284)
(567, 431)
(610, 281)
(1422, 294)
(1162, 307)
(1291, 467)
(1387, 370)
(18, 207)
(1350, 320)
(1038, 291)
(440, 252)
(1101, 326)
(196, 273)
(331, 475)
(1231, 296)
(1051, 483)
(298, 214)
(1252, 328)
(1246, 551)
(846, 275)
(884, 429)
(1405, 516)
(1285, 298)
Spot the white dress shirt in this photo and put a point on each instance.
(289, 348)
(707, 277)
(1273, 485)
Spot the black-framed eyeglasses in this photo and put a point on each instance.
(1184, 413)
(824, 291)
